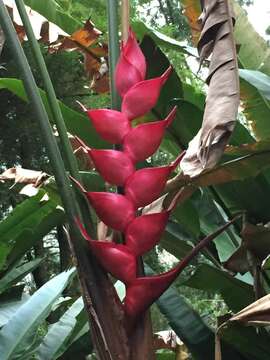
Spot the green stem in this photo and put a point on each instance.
(52, 100)
(112, 6)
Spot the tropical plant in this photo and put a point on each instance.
(212, 188)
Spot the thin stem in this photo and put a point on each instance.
(125, 20)
(112, 6)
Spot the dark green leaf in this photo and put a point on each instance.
(56, 341)
(235, 293)
(17, 273)
(76, 123)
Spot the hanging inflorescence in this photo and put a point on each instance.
(140, 187)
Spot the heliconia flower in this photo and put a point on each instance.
(140, 187)
(131, 67)
(116, 211)
(143, 140)
(114, 166)
(116, 259)
(142, 97)
(145, 185)
(144, 232)
(143, 291)
(111, 125)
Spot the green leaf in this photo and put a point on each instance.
(176, 241)
(254, 345)
(53, 13)
(168, 355)
(187, 216)
(57, 340)
(187, 324)
(257, 79)
(27, 223)
(141, 29)
(9, 307)
(254, 52)
(92, 181)
(256, 106)
(76, 123)
(227, 242)
(235, 293)
(17, 273)
(18, 333)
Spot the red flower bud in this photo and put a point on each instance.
(111, 125)
(114, 166)
(143, 291)
(131, 67)
(116, 259)
(143, 140)
(116, 211)
(144, 232)
(143, 96)
(145, 185)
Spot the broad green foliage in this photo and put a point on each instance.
(28, 223)
(18, 335)
(255, 94)
(62, 334)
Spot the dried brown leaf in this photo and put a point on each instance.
(95, 54)
(166, 340)
(85, 162)
(86, 36)
(222, 100)
(45, 31)
(102, 231)
(23, 176)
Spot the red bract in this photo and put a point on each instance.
(131, 67)
(145, 185)
(142, 97)
(143, 140)
(142, 292)
(111, 125)
(144, 232)
(116, 259)
(114, 166)
(116, 211)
